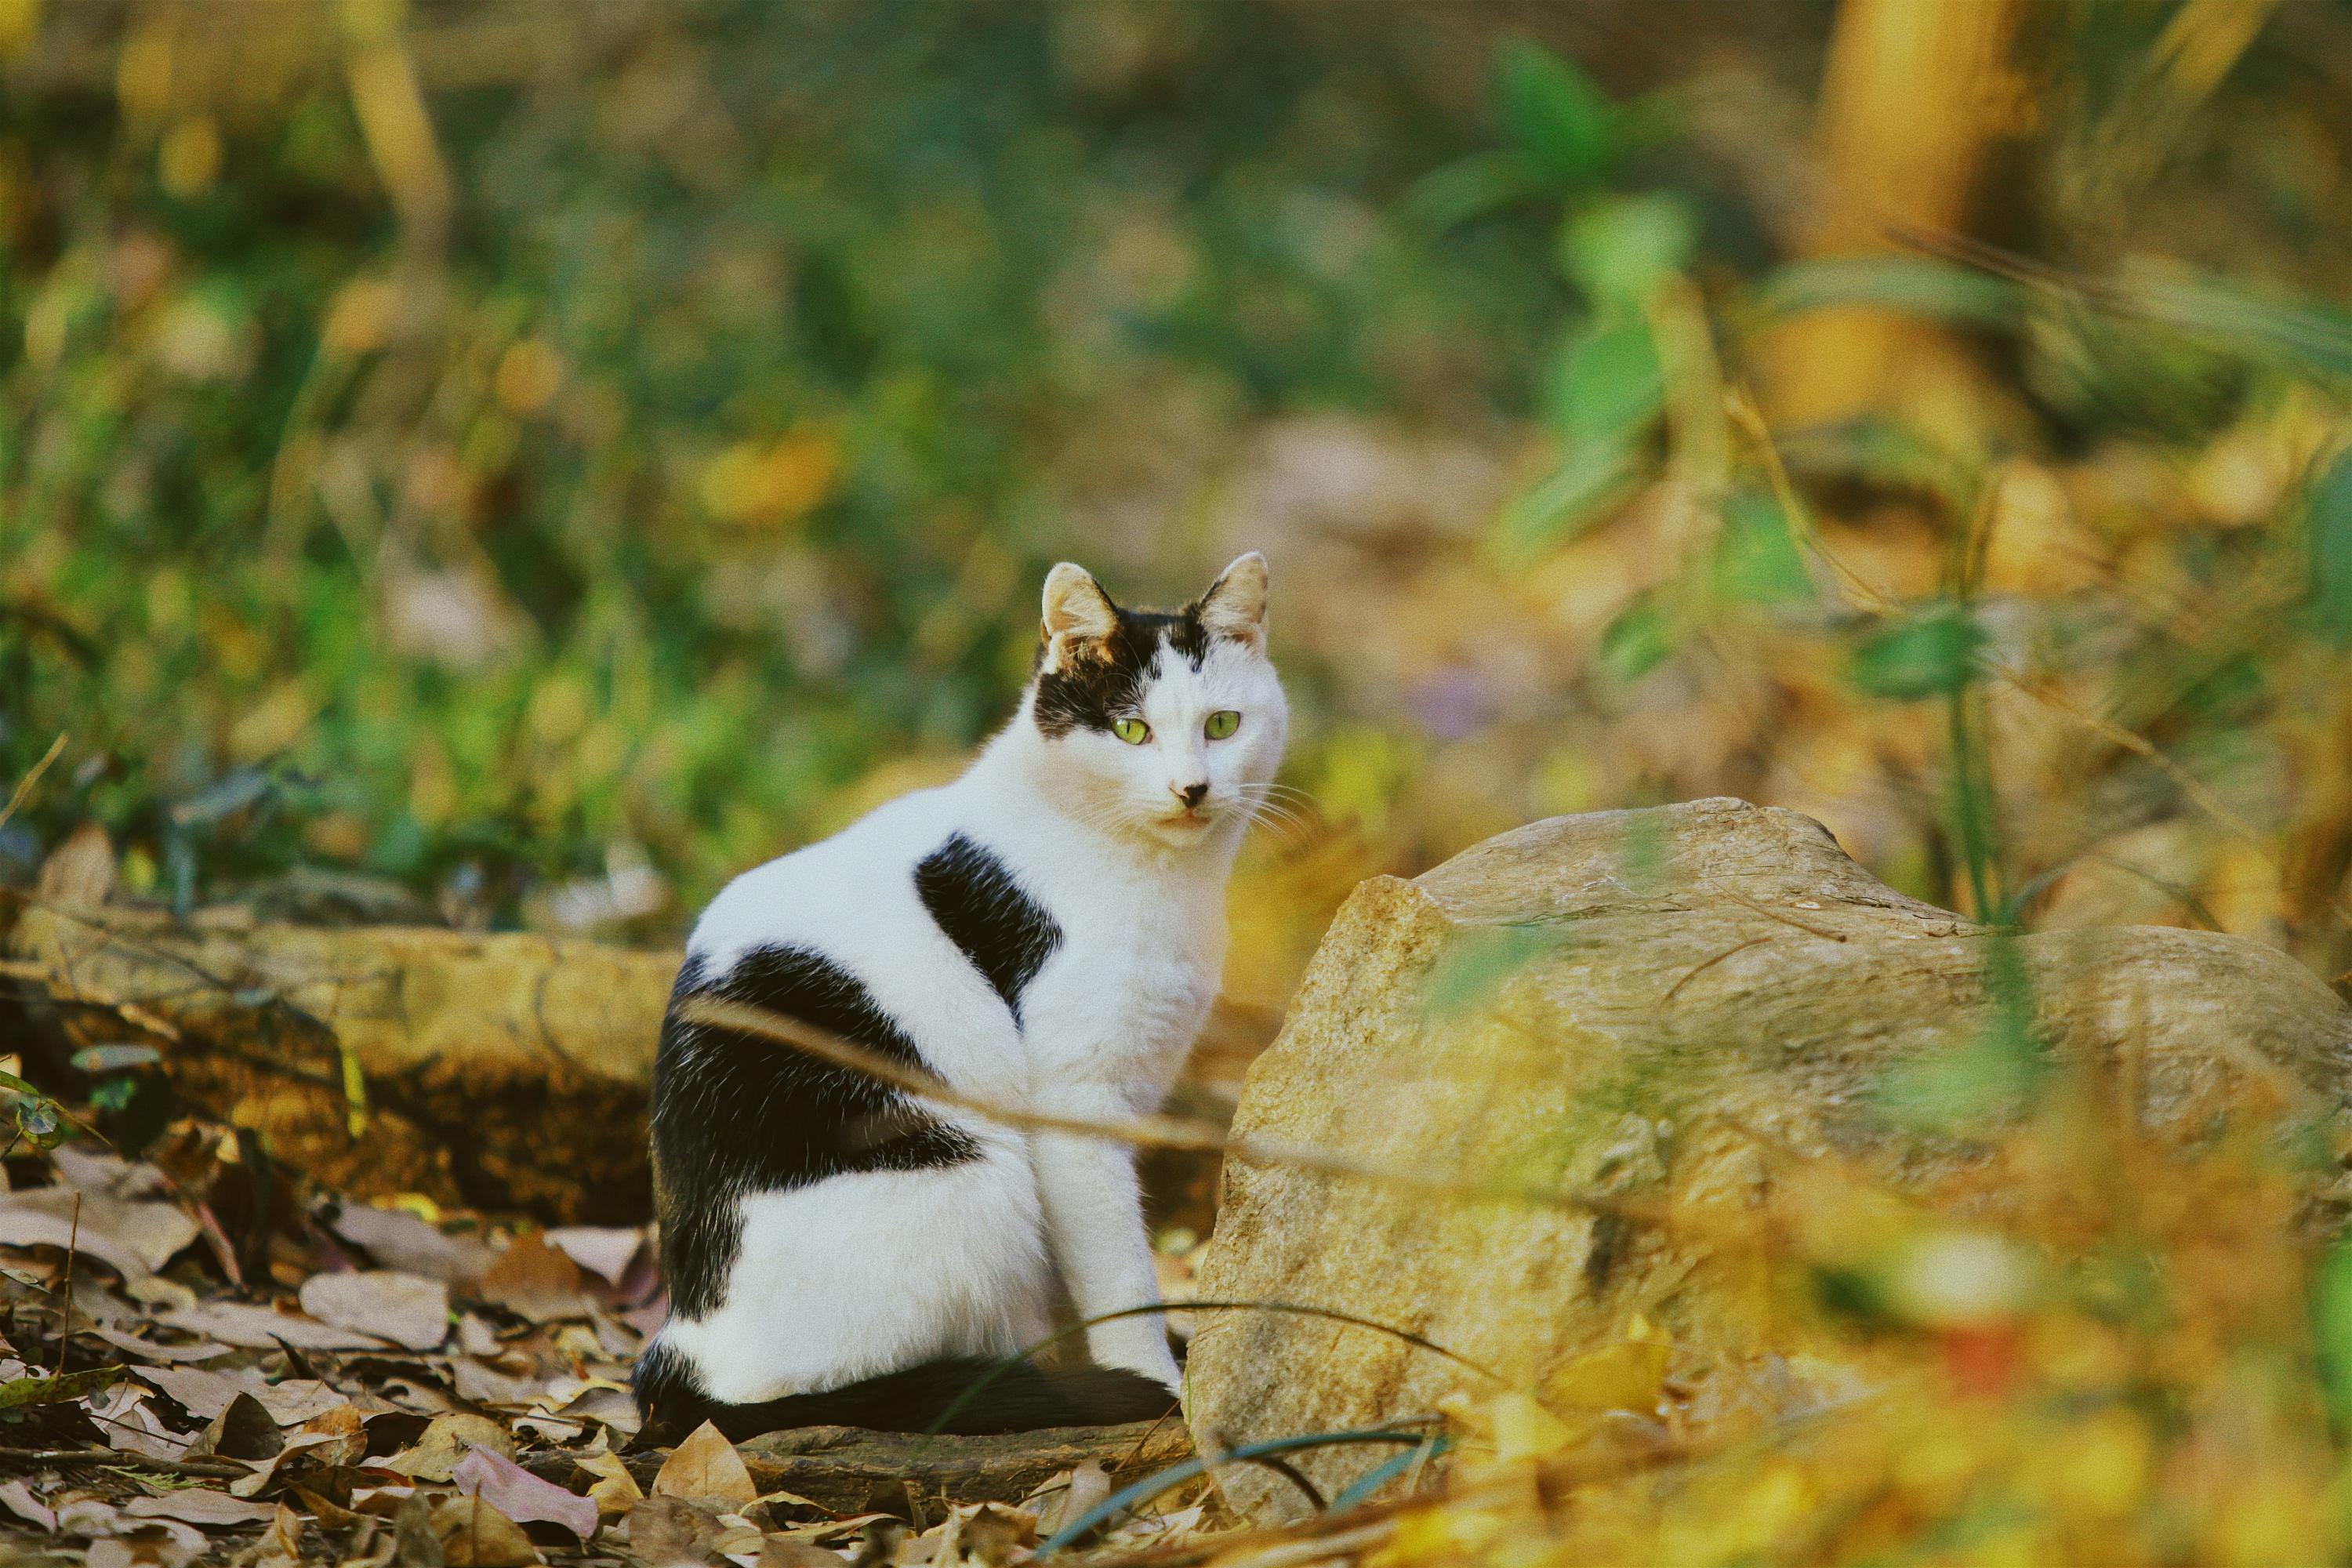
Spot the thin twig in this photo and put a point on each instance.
(1859, 591)
(2115, 734)
(119, 1460)
(65, 1314)
(1708, 963)
(24, 785)
(1143, 1132)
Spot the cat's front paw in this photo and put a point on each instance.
(1134, 1352)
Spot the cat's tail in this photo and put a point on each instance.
(1021, 1397)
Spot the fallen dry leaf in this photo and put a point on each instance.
(134, 1239)
(243, 1430)
(84, 1515)
(991, 1532)
(738, 1538)
(535, 1281)
(131, 1425)
(325, 1509)
(522, 1496)
(370, 1545)
(346, 1432)
(477, 1384)
(396, 1239)
(280, 1545)
(672, 1533)
(446, 1439)
(106, 1174)
(612, 1406)
(406, 1308)
(303, 1451)
(475, 1534)
(163, 1542)
(200, 1505)
(602, 1250)
(1068, 1495)
(249, 1327)
(706, 1466)
(476, 1336)
(786, 1551)
(550, 1431)
(615, 1491)
(81, 871)
(18, 1498)
(168, 1355)
(205, 1394)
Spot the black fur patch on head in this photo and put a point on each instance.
(1005, 933)
(735, 1113)
(1102, 677)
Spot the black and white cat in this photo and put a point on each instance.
(1046, 931)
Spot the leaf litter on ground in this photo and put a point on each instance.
(384, 1360)
(363, 1384)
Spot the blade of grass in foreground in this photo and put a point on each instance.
(1175, 1476)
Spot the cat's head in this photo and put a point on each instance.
(1169, 724)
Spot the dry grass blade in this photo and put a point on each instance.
(1142, 1132)
(24, 785)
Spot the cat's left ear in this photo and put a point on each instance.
(1234, 606)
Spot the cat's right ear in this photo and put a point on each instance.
(1077, 612)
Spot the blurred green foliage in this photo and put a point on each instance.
(707, 457)
(553, 457)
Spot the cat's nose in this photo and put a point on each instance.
(1192, 795)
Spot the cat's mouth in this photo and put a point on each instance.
(1191, 816)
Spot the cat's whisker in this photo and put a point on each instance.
(1289, 829)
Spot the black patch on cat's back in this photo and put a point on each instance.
(735, 1113)
(973, 899)
(1103, 678)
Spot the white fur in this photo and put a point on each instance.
(866, 1273)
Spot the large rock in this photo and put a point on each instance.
(1667, 1010)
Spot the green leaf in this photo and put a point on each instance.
(1639, 640)
(1472, 971)
(1565, 502)
(1931, 654)
(1956, 1091)
(1759, 561)
(40, 1120)
(1607, 383)
(1555, 117)
(1621, 251)
(2310, 338)
(2331, 550)
(1470, 188)
(73, 1385)
(1915, 285)
(2331, 1323)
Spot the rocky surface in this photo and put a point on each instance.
(1662, 1012)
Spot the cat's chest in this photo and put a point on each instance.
(1132, 977)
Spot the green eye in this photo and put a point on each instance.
(1134, 732)
(1222, 723)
